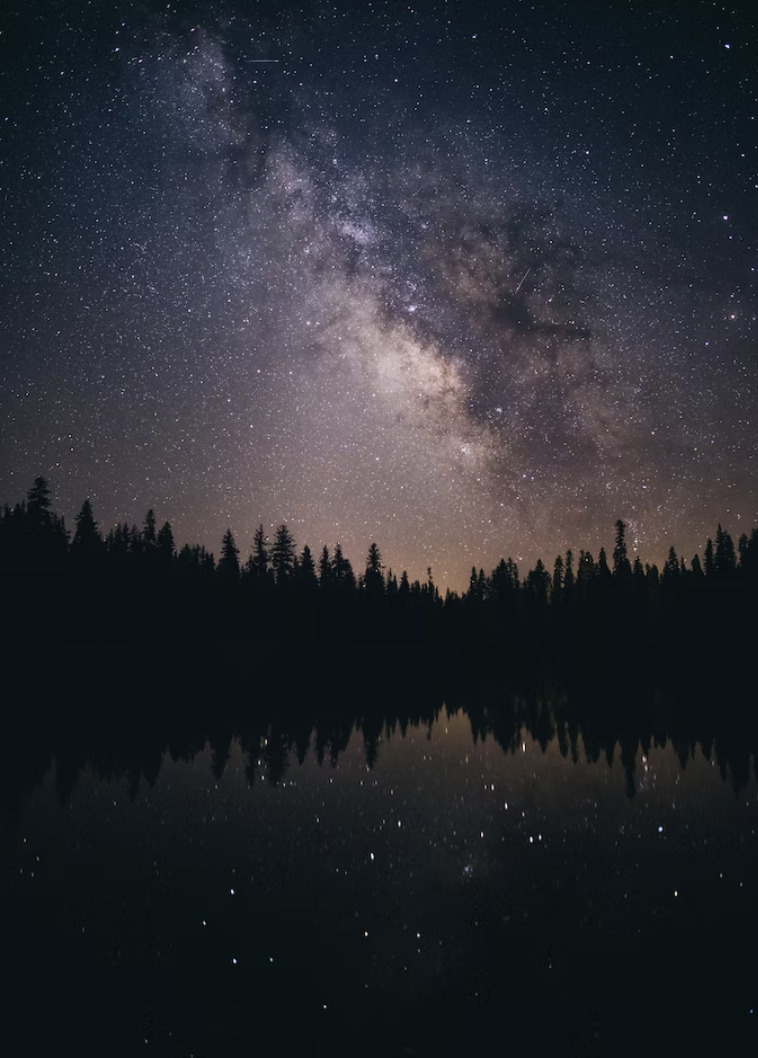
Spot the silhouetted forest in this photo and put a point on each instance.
(133, 586)
(121, 653)
(124, 649)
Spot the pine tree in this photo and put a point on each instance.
(325, 573)
(148, 531)
(229, 565)
(603, 572)
(392, 588)
(671, 570)
(710, 564)
(119, 541)
(557, 579)
(431, 592)
(187, 560)
(87, 540)
(473, 582)
(586, 570)
(165, 542)
(38, 504)
(259, 560)
(502, 584)
(348, 579)
(404, 588)
(46, 539)
(726, 561)
(338, 564)
(306, 570)
(569, 580)
(513, 576)
(373, 578)
(342, 570)
(482, 587)
(538, 581)
(283, 555)
(621, 566)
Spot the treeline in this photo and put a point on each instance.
(34, 538)
(133, 585)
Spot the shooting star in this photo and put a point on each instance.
(523, 280)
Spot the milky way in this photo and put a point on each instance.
(470, 284)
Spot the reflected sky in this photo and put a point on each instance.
(450, 878)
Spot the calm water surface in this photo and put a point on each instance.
(452, 893)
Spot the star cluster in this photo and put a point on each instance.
(467, 282)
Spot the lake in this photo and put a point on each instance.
(359, 889)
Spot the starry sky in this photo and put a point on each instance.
(470, 280)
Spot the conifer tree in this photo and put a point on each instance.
(258, 563)
(671, 569)
(538, 581)
(148, 531)
(348, 579)
(621, 565)
(38, 504)
(283, 555)
(392, 588)
(404, 588)
(710, 564)
(568, 575)
(119, 541)
(557, 587)
(338, 564)
(87, 540)
(46, 539)
(324, 568)
(306, 570)
(482, 587)
(373, 578)
(228, 564)
(165, 542)
(342, 570)
(586, 570)
(603, 571)
(726, 562)
(513, 576)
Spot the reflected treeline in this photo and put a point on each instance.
(118, 650)
(97, 716)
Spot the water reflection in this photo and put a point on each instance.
(379, 874)
(116, 737)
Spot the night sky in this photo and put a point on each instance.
(468, 279)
